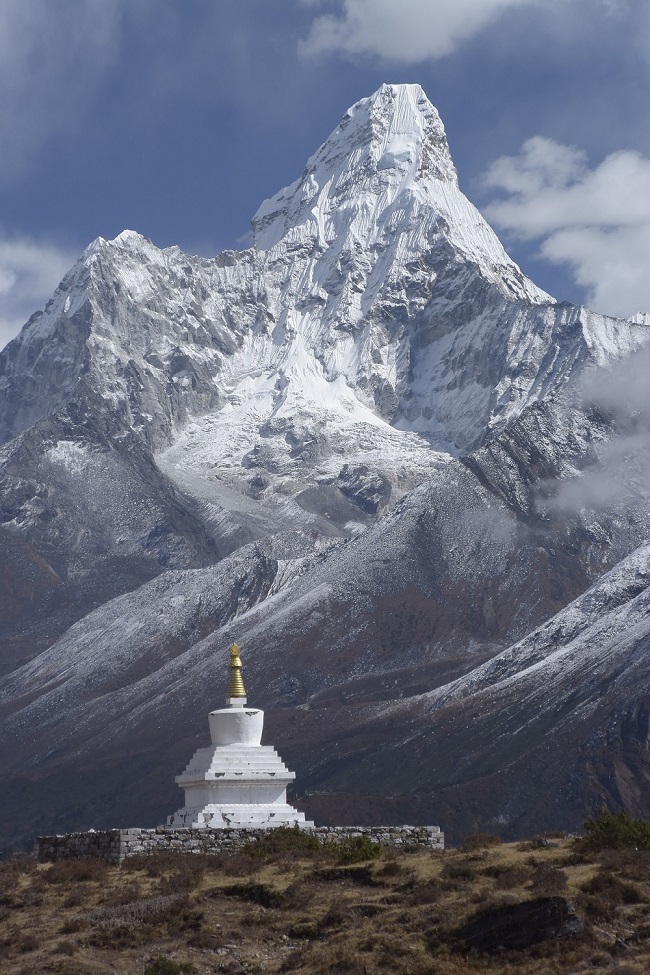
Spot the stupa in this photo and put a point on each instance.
(236, 781)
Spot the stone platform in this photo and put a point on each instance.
(115, 845)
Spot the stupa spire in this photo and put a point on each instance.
(236, 689)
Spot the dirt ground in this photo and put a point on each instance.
(304, 911)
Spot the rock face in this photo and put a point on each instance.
(370, 450)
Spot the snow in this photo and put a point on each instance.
(70, 454)
(641, 318)
(376, 296)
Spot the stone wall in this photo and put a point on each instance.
(106, 844)
(114, 845)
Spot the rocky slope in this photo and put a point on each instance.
(368, 448)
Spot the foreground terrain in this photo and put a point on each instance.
(306, 911)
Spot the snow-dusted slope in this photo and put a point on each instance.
(551, 729)
(592, 635)
(342, 649)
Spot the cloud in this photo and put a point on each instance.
(622, 390)
(618, 481)
(404, 31)
(30, 270)
(52, 57)
(616, 484)
(596, 220)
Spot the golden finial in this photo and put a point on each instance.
(236, 687)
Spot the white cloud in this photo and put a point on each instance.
(619, 479)
(595, 220)
(405, 31)
(30, 270)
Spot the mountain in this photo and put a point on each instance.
(368, 448)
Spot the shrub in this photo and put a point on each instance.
(458, 870)
(630, 864)
(138, 913)
(505, 876)
(391, 869)
(17, 867)
(71, 871)
(547, 879)
(616, 831)
(65, 948)
(182, 881)
(27, 942)
(612, 890)
(423, 892)
(255, 893)
(356, 849)
(285, 841)
(131, 924)
(179, 871)
(161, 863)
(537, 842)
(126, 894)
(232, 865)
(480, 841)
(361, 876)
(77, 897)
(71, 925)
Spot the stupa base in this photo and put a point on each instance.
(238, 815)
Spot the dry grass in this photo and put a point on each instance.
(309, 915)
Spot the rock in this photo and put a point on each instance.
(518, 926)
(367, 488)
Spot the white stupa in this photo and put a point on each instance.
(236, 781)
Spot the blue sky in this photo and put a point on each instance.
(176, 118)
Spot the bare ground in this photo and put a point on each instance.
(307, 913)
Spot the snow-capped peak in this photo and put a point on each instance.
(395, 129)
(405, 128)
(129, 238)
(384, 174)
(383, 144)
(376, 292)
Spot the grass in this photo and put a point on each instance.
(315, 911)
